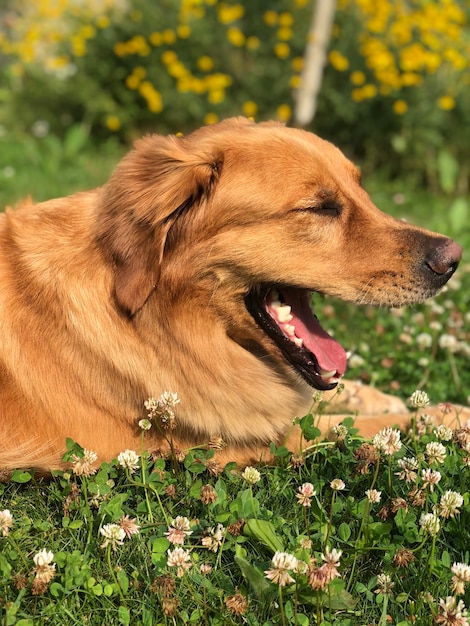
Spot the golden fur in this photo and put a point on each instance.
(114, 295)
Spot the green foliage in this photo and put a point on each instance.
(349, 559)
(394, 90)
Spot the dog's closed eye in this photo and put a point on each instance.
(327, 208)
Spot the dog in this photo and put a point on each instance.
(192, 271)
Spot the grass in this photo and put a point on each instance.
(395, 565)
(376, 538)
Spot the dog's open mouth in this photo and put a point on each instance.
(284, 314)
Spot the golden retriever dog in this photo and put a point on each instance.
(192, 271)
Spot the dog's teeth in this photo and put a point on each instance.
(327, 374)
(283, 314)
(276, 304)
(274, 295)
(298, 341)
(290, 330)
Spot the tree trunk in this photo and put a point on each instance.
(315, 57)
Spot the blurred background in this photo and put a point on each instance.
(388, 81)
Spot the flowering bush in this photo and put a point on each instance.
(395, 82)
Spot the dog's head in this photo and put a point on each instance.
(254, 218)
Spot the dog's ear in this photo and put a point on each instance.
(151, 187)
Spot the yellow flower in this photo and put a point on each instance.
(113, 123)
(236, 37)
(132, 81)
(400, 107)
(270, 18)
(103, 21)
(446, 103)
(120, 49)
(285, 33)
(211, 118)
(282, 50)
(338, 61)
(197, 85)
(250, 108)
(286, 19)
(169, 56)
(457, 59)
(156, 39)
(357, 95)
(140, 71)
(228, 14)
(183, 31)
(297, 64)
(205, 63)
(284, 112)
(177, 70)
(409, 79)
(218, 81)
(169, 36)
(78, 46)
(294, 82)
(357, 78)
(253, 42)
(152, 96)
(216, 96)
(87, 32)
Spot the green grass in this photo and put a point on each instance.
(49, 168)
(133, 584)
(245, 524)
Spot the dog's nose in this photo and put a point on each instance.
(443, 259)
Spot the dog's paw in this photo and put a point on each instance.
(365, 400)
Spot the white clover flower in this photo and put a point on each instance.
(419, 399)
(388, 440)
(430, 523)
(43, 558)
(129, 459)
(306, 492)
(451, 612)
(178, 530)
(179, 558)
(340, 430)
(129, 525)
(435, 452)
(83, 466)
(332, 557)
(449, 504)
(6, 522)
(251, 475)
(337, 484)
(384, 585)
(45, 569)
(443, 432)
(373, 495)
(408, 466)
(215, 538)
(356, 360)
(282, 563)
(430, 478)
(145, 424)
(162, 408)
(461, 576)
(448, 342)
(114, 535)
(423, 341)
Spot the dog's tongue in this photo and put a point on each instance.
(330, 355)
